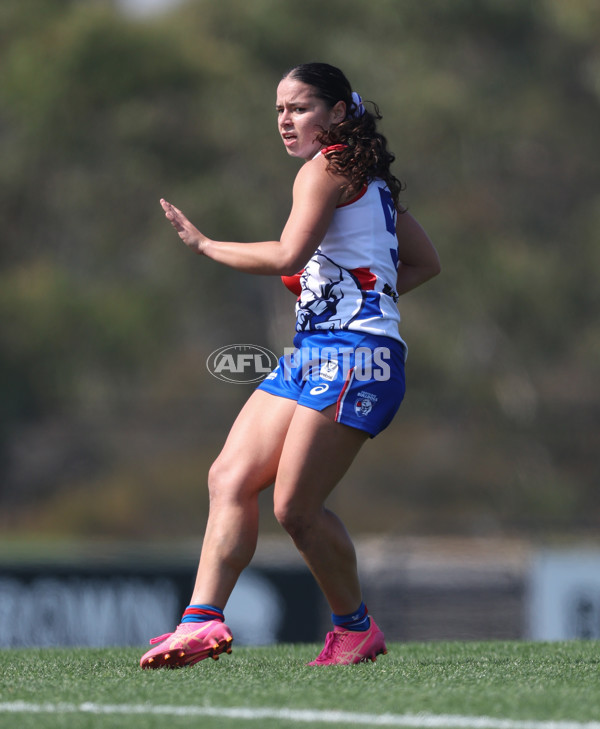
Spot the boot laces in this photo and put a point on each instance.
(160, 638)
(330, 640)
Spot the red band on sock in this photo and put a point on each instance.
(203, 613)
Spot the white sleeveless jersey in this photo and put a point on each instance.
(350, 281)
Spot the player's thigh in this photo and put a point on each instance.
(316, 454)
(249, 459)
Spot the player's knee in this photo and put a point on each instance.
(231, 481)
(221, 480)
(292, 518)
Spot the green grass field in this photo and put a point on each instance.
(496, 685)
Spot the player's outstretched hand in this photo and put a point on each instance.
(188, 233)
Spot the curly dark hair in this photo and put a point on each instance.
(363, 154)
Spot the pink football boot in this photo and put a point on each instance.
(345, 647)
(190, 643)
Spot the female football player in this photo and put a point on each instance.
(348, 251)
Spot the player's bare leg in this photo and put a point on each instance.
(316, 454)
(246, 465)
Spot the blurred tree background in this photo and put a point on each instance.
(109, 418)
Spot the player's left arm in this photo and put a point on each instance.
(418, 259)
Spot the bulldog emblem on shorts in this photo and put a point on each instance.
(364, 404)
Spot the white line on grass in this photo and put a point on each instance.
(416, 721)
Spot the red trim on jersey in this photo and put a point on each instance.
(366, 278)
(293, 282)
(333, 148)
(358, 196)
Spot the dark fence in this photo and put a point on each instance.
(416, 590)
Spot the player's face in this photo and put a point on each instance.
(302, 116)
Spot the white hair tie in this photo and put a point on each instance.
(359, 108)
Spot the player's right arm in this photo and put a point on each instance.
(316, 193)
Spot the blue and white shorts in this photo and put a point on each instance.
(362, 374)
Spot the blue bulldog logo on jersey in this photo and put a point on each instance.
(323, 283)
(332, 296)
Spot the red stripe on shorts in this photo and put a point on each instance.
(340, 400)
